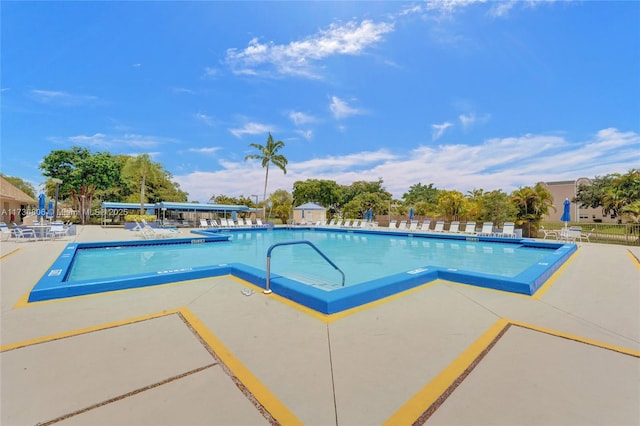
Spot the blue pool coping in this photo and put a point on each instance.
(53, 285)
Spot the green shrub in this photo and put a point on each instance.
(139, 217)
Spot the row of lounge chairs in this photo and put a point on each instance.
(24, 233)
(229, 223)
(507, 231)
(348, 223)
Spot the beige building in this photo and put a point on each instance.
(13, 201)
(309, 213)
(562, 190)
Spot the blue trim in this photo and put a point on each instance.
(54, 286)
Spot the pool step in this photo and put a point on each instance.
(312, 280)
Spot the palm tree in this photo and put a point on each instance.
(140, 167)
(268, 154)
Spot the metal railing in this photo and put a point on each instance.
(267, 289)
(611, 233)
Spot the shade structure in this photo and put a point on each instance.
(41, 208)
(566, 212)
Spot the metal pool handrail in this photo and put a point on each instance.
(267, 289)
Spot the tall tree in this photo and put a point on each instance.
(140, 168)
(268, 154)
(82, 173)
(532, 204)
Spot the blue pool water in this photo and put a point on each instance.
(377, 264)
(362, 256)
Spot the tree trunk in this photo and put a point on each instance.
(264, 194)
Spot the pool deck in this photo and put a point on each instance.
(204, 352)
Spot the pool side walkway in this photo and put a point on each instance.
(203, 352)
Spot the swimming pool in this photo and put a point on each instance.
(375, 263)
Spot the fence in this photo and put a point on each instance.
(626, 233)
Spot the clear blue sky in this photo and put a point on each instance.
(461, 94)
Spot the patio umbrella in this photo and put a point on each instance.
(50, 209)
(566, 213)
(411, 213)
(370, 214)
(41, 201)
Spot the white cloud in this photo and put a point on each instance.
(251, 129)
(439, 129)
(299, 118)
(127, 140)
(298, 57)
(207, 150)
(499, 163)
(206, 119)
(61, 98)
(340, 109)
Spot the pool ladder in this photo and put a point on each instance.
(267, 289)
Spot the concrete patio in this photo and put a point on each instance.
(203, 353)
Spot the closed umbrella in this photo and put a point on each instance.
(41, 202)
(566, 213)
(411, 213)
(50, 209)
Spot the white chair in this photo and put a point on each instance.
(20, 233)
(439, 226)
(413, 226)
(454, 227)
(425, 227)
(56, 230)
(470, 228)
(487, 229)
(549, 233)
(402, 226)
(508, 230)
(392, 224)
(6, 232)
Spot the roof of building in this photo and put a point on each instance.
(11, 192)
(309, 206)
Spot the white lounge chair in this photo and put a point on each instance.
(333, 222)
(6, 232)
(549, 233)
(586, 236)
(240, 221)
(248, 222)
(57, 230)
(439, 226)
(454, 227)
(392, 224)
(21, 233)
(259, 222)
(426, 225)
(487, 229)
(470, 228)
(203, 223)
(508, 230)
(413, 226)
(402, 226)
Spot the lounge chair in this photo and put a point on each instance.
(487, 229)
(392, 224)
(203, 223)
(248, 222)
(241, 222)
(347, 223)
(470, 228)
(21, 233)
(259, 223)
(549, 233)
(403, 225)
(454, 227)
(364, 223)
(439, 226)
(57, 230)
(425, 227)
(586, 236)
(333, 222)
(413, 226)
(508, 230)
(6, 232)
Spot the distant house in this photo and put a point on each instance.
(13, 200)
(309, 213)
(569, 189)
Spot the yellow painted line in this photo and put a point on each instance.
(552, 279)
(268, 400)
(428, 395)
(577, 338)
(84, 330)
(11, 253)
(634, 259)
